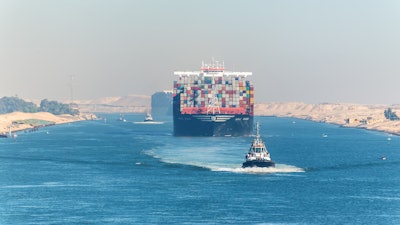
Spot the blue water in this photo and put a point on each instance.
(97, 172)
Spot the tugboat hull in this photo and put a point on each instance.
(257, 163)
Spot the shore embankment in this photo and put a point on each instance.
(18, 121)
(369, 117)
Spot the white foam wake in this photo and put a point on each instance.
(279, 168)
(214, 163)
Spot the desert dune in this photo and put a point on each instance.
(343, 114)
(20, 121)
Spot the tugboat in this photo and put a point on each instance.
(148, 118)
(258, 155)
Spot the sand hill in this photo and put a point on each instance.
(124, 104)
(21, 121)
(344, 114)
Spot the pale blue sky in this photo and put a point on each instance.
(310, 51)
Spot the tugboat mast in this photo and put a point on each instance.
(258, 136)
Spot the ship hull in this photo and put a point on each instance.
(258, 163)
(212, 125)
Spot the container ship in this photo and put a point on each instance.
(213, 102)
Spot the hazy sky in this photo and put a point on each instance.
(311, 51)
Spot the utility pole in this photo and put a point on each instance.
(71, 92)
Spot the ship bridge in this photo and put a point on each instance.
(215, 69)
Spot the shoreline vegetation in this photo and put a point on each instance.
(20, 121)
(17, 114)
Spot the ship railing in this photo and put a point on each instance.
(212, 73)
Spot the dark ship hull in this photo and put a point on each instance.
(258, 163)
(212, 125)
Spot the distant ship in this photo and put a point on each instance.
(149, 120)
(213, 102)
(258, 155)
(161, 103)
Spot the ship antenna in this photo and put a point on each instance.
(258, 138)
(258, 129)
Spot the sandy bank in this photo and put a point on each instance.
(345, 114)
(21, 121)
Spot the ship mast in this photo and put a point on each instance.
(213, 105)
(258, 137)
(213, 69)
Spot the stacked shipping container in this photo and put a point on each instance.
(235, 94)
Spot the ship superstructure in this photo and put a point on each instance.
(213, 102)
